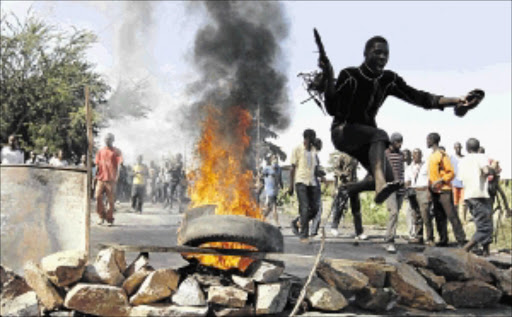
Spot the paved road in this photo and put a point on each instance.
(157, 226)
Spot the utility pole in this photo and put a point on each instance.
(88, 116)
(258, 146)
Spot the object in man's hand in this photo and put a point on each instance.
(473, 100)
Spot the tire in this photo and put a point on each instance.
(231, 228)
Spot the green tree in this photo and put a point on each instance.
(43, 74)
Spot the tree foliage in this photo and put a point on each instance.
(43, 74)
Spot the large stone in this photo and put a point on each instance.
(142, 260)
(158, 285)
(107, 267)
(413, 258)
(189, 293)
(324, 297)
(375, 299)
(135, 280)
(413, 290)
(471, 294)
(227, 296)
(207, 280)
(64, 268)
(101, 300)
(345, 279)
(24, 305)
(272, 298)
(244, 283)
(435, 281)
(45, 290)
(91, 275)
(267, 272)
(377, 272)
(458, 265)
(11, 284)
(154, 310)
(504, 281)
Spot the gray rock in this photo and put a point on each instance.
(154, 310)
(207, 280)
(414, 259)
(504, 281)
(107, 267)
(189, 293)
(65, 267)
(158, 285)
(234, 312)
(376, 271)
(45, 290)
(375, 299)
(458, 265)
(244, 283)
(101, 300)
(435, 281)
(324, 297)
(471, 294)
(135, 280)
(272, 298)
(267, 272)
(24, 305)
(227, 296)
(413, 290)
(345, 279)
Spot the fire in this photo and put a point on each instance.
(223, 179)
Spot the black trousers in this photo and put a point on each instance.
(138, 193)
(355, 207)
(445, 210)
(481, 210)
(308, 206)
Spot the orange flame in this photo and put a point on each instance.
(223, 180)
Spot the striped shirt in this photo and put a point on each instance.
(396, 159)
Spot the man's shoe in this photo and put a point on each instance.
(362, 237)
(442, 244)
(430, 243)
(100, 222)
(391, 248)
(415, 241)
(387, 190)
(110, 224)
(304, 240)
(335, 232)
(295, 227)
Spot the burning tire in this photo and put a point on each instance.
(231, 228)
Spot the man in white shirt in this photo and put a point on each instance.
(473, 172)
(59, 160)
(11, 154)
(416, 181)
(302, 175)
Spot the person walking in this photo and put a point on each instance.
(107, 161)
(272, 184)
(140, 174)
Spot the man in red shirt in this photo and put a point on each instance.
(107, 162)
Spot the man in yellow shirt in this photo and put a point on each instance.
(441, 173)
(140, 173)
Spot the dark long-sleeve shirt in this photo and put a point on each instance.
(359, 94)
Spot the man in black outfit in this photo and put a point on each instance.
(354, 100)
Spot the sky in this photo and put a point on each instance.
(443, 47)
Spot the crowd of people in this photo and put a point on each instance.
(112, 179)
(439, 189)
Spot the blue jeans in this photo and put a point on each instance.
(308, 206)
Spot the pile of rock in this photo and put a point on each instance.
(434, 280)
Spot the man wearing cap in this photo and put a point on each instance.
(107, 162)
(395, 200)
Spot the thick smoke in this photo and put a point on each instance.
(238, 57)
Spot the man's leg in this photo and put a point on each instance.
(100, 208)
(141, 194)
(447, 202)
(422, 201)
(134, 197)
(417, 219)
(111, 198)
(393, 209)
(481, 210)
(355, 206)
(382, 172)
(410, 218)
(318, 213)
(274, 210)
(441, 219)
(302, 197)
